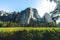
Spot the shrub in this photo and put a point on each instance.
(31, 35)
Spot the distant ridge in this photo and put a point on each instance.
(27, 16)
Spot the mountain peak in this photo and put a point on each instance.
(27, 15)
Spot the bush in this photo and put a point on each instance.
(31, 35)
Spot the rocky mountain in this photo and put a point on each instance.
(23, 17)
(27, 15)
(3, 13)
(47, 18)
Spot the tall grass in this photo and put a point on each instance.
(29, 33)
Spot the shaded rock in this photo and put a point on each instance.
(26, 15)
(47, 18)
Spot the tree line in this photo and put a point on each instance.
(14, 24)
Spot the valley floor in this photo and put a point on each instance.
(30, 33)
(12, 29)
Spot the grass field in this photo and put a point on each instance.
(30, 33)
(26, 28)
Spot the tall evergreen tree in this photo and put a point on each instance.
(56, 13)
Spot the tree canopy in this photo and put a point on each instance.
(55, 14)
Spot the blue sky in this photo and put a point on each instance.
(42, 6)
(18, 5)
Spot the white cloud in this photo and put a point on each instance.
(46, 6)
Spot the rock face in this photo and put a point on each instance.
(4, 16)
(27, 15)
(47, 18)
(36, 15)
(3, 13)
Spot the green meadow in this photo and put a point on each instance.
(11, 29)
(30, 33)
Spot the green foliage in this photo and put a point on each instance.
(55, 13)
(8, 24)
(31, 35)
(13, 24)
